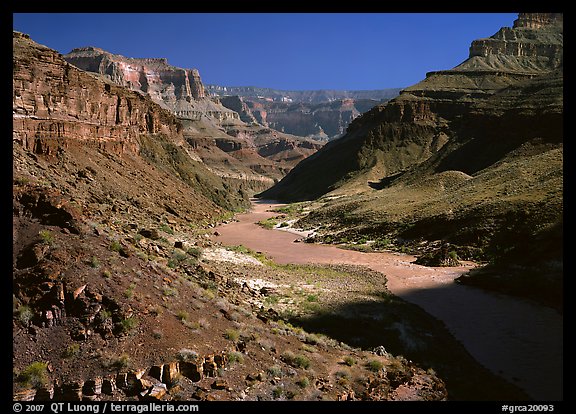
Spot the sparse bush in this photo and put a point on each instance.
(271, 300)
(277, 392)
(156, 334)
(94, 262)
(34, 375)
(349, 361)
(155, 310)
(126, 325)
(374, 365)
(24, 314)
(70, 351)
(183, 315)
(308, 348)
(303, 382)
(312, 339)
(106, 273)
(274, 371)
(120, 362)
(115, 246)
(166, 229)
(342, 375)
(46, 236)
(312, 298)
(195, 252)
(129, 293)
(290, 394)
(235, 357)
(168, 291)
(297, 361)
(232, 334)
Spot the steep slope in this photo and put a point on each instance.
(471, 156)
(219, 138)
(111, 298)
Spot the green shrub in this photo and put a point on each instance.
(187, 355)
(277, 392)
(303, 382)
(167, 229)
(349, 361)
(232, 334)
(46, 236)
(297, 361)
(70, 351)
(120, 362)
(115, 246)
(374, 365)
(126, 325)
(183, 315)
(235, 357)
(195, 252)
(274, 371)
(34, 375)
(24, 314)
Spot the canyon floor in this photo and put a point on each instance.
(515, 338)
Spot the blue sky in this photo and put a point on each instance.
(278, 50)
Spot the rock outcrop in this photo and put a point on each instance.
(217, 135)
(322, 121)
(411, 128)
(177, 89)
(307, 96)
(471, 156)
(55, 103)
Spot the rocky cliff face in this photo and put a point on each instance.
(179, 90)
(216, 134)
(55, 103)
(412, 127)
(307, 96)
(321, 121)
(471, 156)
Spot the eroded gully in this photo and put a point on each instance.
(514, 338)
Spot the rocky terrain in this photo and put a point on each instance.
(119, 293)
(471, 156)
(321, 121)
(228, 146)
(310, 96)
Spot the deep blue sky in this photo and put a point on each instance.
(278, 50)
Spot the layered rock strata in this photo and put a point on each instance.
(416, 125)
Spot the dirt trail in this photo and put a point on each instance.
(514, 338)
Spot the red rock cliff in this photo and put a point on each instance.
(55, 103)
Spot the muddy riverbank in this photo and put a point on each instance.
(514, 338)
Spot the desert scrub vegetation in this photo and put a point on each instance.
(127, 324)
(350, 361)
(296, 361)
(118, 362)
(47, 237)
(235, 357)
(303, 382)
(34, 375)
(374, 365)
(24, 314)
(70, 351)
(274, 371)
(232, 334)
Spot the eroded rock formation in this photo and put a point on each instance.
(54, 102)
